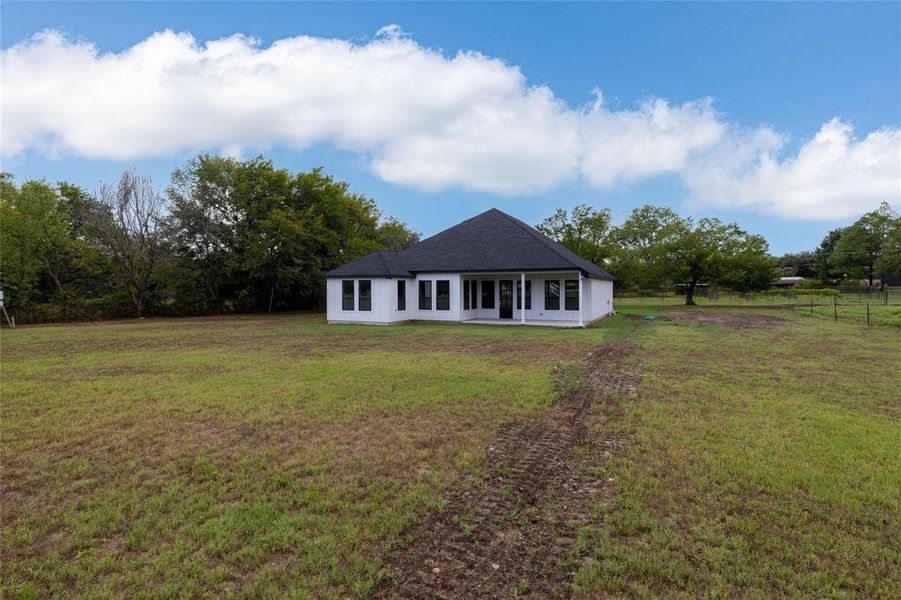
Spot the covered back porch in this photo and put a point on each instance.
(551, 299)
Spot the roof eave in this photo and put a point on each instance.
(606, 277)
(373, 275)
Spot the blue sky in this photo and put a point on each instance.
(771, 70)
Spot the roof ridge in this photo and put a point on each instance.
(561, 250)
(452, 227)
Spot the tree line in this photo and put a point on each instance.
(224, 236)
(231, 236)
(655, 248)
(867, 250)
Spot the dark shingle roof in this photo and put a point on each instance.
(374, 264)
(491, 241)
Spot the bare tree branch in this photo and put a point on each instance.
(127, 222)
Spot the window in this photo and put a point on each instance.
(487, 294)
(466, 294)
(572, 294)
(347, 294)
(365, 291)
(442, 294)
(474, 295)
(551, 294)
(401, 295)
(425, 295)
(519, 295)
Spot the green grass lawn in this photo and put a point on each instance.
(880, 314)
(761, 462)
(885, 310)
(272, 456)
(257, 455)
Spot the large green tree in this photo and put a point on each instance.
(394, 235)
(585, 230)
(859, 249)
(51, 267)
(638, 247)
(204, 225)
(20, 264)
(716, 253)
(255, 237)
(890, 258)
(45, 258)
(823, 267)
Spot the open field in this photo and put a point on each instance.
(255, 454)
(265, 456)
(763, 461)
(884, 307)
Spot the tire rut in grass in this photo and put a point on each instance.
(510, 533)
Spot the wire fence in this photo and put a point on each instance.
(869, 307)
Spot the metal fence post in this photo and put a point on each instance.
(835, 307)
(868, 314)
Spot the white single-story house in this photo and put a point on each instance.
(492, 268)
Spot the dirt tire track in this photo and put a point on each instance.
(508, 534)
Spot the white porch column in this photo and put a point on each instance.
(522, 298)
(581, 324)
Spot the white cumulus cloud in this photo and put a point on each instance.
(832, 176)
(419, 117)
(656, 138)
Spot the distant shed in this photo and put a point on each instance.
(788, 282)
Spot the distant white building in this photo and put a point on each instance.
(492, 268)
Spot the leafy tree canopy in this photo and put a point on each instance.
(256, 237)
(584, 230)
(796, 264)
(717, 253)
(859, 249)
(638, 246)
(655, 247)
(228, 235)
(889, 260)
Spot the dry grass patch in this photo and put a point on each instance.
(738, 320)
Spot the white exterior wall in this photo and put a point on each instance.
(456, 298)
(407, 314)
(597, 299)
(600, 299)
(384, 302)
(538, 310)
